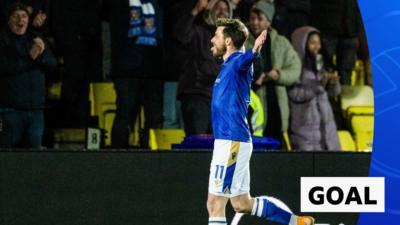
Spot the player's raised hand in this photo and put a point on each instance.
(259, 42)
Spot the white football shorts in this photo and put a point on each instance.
(229, 171)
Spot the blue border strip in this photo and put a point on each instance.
(382, 22)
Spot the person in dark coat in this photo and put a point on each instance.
(77, 32)
(340, 26)
(136, 67)
(24, 57)
(312, 124)
(291, 14)
(199, 68)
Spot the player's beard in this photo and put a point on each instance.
(219, 52)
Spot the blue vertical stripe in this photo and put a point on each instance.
(228, 177)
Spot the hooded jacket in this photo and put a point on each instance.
(209, 18)
(312, 124)
(199, 68)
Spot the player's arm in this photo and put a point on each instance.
(247, 59)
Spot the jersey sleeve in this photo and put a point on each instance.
(245, 61)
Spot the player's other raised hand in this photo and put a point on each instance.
(259, 42)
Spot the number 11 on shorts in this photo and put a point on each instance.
(219, 169)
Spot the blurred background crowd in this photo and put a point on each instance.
(142, 71)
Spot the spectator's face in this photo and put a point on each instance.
(18, 22)
(218, 48)
(314, 44)
(258, 23)
(220, 10)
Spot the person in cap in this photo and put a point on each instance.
(38, 14)
(24, 58)
(277, 68)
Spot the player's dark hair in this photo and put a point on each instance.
(234, 29)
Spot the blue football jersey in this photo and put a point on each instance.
(231, 98)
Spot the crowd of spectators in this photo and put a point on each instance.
(157, 54)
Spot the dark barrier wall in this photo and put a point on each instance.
(126, 188)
